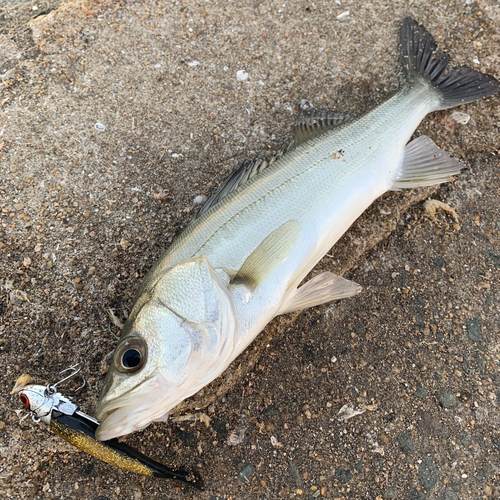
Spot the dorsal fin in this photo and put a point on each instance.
(313, 121)
(242, 174)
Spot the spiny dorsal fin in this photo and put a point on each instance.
(310, 122)
(242, 174)
(313, 121)
(271, 252)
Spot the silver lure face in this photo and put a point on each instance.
(41, 401)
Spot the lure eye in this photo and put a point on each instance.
(24, 400)
(131, 356)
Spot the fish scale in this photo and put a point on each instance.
(241, 261)
(307, 177)
(204, 235)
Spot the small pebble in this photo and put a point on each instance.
(406, 443)
(294, 474)
(344, 475)
(241, 75)
(421, 393)
(246, 472)
(391, 492)
(428, 473)
(460, 117)
(474, 330)
(447, 399)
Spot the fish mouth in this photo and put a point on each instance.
(132, 411)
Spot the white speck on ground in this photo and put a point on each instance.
(241, 75)
(461, 117)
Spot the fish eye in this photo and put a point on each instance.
(130, 356)
(24, 400)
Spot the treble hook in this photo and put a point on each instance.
(76, 370)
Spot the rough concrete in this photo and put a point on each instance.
(115, 115)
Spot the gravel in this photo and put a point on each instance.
(85, 211)
(447, 399)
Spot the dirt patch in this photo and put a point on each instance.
(114, 117)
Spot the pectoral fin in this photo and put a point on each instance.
(322, 288)
(273, 251)
(424, 164)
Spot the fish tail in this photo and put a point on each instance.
(455, 85)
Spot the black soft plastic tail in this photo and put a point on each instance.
(80, 423)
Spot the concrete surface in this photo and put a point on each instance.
(114, 116)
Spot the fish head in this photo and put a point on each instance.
(178, 337)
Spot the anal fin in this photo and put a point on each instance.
(424, 164)
(322, 288)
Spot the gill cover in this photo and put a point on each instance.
(198, 296)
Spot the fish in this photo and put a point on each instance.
(64, 418)
(242, 260)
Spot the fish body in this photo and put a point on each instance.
(240, 262)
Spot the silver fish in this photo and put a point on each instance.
(241, 261)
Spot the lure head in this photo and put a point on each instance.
(179, 334)
(41, 401)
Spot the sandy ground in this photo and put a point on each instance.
(115, 116)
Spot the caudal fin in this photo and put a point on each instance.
(455, 85)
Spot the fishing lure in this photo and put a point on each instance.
(64, 418)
